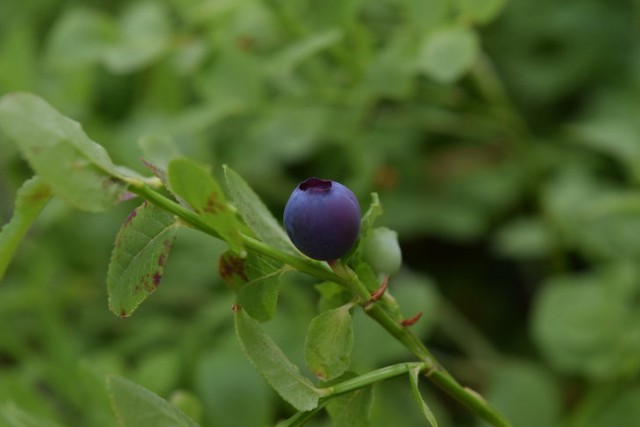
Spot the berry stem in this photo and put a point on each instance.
(341, 274)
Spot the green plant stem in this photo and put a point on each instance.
(345, 276)
(382, 374)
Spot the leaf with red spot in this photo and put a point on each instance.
(139, 257)
(195, 185)
(257, 281)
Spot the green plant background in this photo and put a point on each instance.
(502, 137)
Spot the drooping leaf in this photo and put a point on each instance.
(273, 364)
(138, 257)
(257, 280)
(255, 214)
(329, 343)
(351, 409)
(135, 406)
(197, 187)
(56, 147)
(414, 376)
(30, 199)
(447, 54)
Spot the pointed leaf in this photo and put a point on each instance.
(257, 280)
(426, 411)
(60, 152)
(30, 199)
(366, 225)
(135, 406)
(329, 343)
(197, 187)
(273, 364)
(139, 256)
(255, 214)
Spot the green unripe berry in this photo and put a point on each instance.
(382, 251)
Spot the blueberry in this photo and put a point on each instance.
(322, 218)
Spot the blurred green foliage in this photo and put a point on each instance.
(502, 137)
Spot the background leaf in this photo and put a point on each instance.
(139, 256)
(136, 406)
(329, 343)
(30, 200)
(447, 54)
(527, 394)
(77, 168)
(274, 365)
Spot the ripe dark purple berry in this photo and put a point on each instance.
(322, 218)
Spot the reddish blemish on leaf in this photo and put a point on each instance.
(235, 308)
(123, 314)
(153, 168)
(162, 260)
(231, 266)
(130, 217)
(156, 279)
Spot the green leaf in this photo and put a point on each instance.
(526, 394)
(197, 187)
(587, 324)
(481, 11)
(139, 256)
(14, 416)
(447, 54)
(80, 37)
(56, 147)
(371, 215)
(366, 226)
(284, 62)
(257, 280)
(352, 409)
(136, 406)
(255, 214)
(274, 365)
(621, 410)
(414, 375)
(329, 343)
(30, 199)
(145, 29)
(526, 238)
(332, 295)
